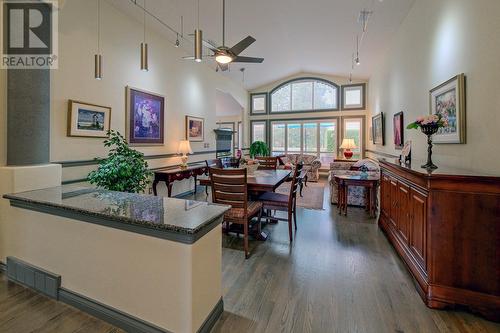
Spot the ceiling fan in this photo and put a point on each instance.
(225, 55)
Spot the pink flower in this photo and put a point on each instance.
(420, 119)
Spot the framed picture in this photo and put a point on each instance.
(405, 156)
(145, 117)
(88, 120)
(195, 129)
(448, 100)
(397, 125)
(378, 129)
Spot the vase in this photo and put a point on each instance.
(429, 130)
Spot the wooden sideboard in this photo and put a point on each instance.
(445, 225)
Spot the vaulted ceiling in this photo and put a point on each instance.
(313, 36)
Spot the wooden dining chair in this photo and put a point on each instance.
(229, 187)
(283, 202)
(267, 162)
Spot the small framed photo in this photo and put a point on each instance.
(195, 129)
(405, 156)
(88, 120)
(145, 116)
(398, 124)
(448, 100)
(378, 129)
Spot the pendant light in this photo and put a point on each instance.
(357, 51)
(144, 45)
(198, 39)
(98, 56)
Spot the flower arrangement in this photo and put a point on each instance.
(250, 164)
(433, 120)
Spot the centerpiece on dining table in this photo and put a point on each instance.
(250, 164)
(429, 125)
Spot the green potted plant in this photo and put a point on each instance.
(258, 148)
(124, 170)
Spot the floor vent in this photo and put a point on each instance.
(33, 277)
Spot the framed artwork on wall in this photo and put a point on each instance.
(378, 129)
(145, 116)
(448, 100)
(88, 120)
(195, 129)
(398, 128)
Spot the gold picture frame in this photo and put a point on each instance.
(448, 100)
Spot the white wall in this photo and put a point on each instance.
(189, 87)
(438, 40)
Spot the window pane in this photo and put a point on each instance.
(353, 131)
(293, 138)
(278, 137)
(328, 137)
(259, 132)
(259, 104)
(353, 97)
(281, 99)
(325, 96)
(302, 96)
(311, 137)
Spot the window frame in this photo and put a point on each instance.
(362, 86)
(266, 106)
(266, 130)
(304, 79)
(336, 119)
(362, 133)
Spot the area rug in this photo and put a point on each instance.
(312, 195)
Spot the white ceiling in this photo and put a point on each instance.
(313, 36)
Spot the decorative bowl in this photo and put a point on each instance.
(429, 129)
(251, 168)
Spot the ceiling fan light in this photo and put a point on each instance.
(223, 58)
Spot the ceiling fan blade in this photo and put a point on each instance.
(208, 44)
(242, 45)
(248, 59)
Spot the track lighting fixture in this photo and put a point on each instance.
(357, 52)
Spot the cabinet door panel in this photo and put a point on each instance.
(403, 220)
(394, 201)
(385, 196)
(418, 202)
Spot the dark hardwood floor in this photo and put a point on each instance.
(339, 275)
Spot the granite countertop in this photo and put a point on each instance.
(174, 219)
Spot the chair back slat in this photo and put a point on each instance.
(267, 162)
(229, 187)
(294, 186)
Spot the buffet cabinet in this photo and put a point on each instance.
(445, 225)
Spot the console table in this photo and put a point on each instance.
(170, 175)
(445, 225)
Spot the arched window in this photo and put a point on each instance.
(305, 95)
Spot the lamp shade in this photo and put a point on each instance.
(184, 147)
(348, 144)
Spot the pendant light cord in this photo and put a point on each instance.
(144, 18)
(198, 24)
(98, 26)
(223, 22)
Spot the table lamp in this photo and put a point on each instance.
(184, 149)
(347, 145)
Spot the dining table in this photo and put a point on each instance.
(258, 182)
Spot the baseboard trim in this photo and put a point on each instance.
(109, 314)
(212, 318)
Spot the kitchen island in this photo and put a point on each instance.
(144, 263)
